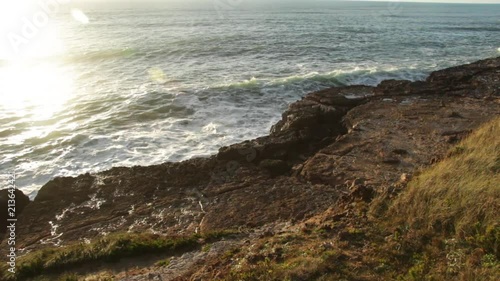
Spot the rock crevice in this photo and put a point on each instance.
(322, 144)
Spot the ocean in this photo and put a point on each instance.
(104, 85)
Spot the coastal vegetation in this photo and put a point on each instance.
(441, 225)
(108, 249)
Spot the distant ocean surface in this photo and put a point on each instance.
(142, 85)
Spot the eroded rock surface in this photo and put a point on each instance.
(21, 201)
(325, 145)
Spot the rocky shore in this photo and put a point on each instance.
(330, 148)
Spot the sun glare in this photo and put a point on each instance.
(79, 16)
(33, 81)
(39, 90)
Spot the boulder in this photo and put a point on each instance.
(21, 202)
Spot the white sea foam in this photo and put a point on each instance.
(153, 85)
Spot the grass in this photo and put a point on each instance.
(163, 263)
(449, 213)
(107, 249)
(460, 195)
(443, 225)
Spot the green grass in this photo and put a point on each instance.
(163, 263)
(107, 249)
(444, 225)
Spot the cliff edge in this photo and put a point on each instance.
(334, 148)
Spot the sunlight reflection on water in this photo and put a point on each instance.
(37, 91)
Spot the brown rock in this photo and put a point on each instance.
(274, 167)
(21, 201)
(238, 187)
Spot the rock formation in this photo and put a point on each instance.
(21, 202)
(332, 143)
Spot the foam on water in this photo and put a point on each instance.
(144, 86)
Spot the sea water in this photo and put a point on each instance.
(105, 85)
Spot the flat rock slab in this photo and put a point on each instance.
(324, 144)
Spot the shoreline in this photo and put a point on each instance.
(353, 101)
(324, 146)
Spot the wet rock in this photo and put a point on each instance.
(21, 201)
(393, 87)
(328, 137)
(478, 79)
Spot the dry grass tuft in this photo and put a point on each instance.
(461, 194)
